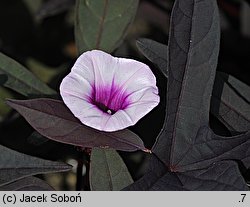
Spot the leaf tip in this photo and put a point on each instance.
(140, 42)
(10, 102)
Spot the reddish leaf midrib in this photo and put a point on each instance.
(171, 166)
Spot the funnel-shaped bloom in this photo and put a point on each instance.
(109, 93)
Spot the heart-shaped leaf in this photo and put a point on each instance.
(53, 119)
(21, 80)
(192, 58)
(15, 165)
(27, 184)
(102, 24)
(108, 171)
(231, 102)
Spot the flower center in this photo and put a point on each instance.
(109, 99)
(104, 108)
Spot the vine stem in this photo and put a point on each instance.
(87, 152)
(82, 181)
(79, 178)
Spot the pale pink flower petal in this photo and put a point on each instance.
(109, 93)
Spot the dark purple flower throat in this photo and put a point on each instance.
(109, 99)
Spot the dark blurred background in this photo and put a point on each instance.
(40, 35)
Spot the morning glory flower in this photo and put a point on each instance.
(109, 93)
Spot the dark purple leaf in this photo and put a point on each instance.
(15, 165)
(231, 102)
(27, 184)
(192, 54)
(155, 52)
(53, 119)
(196, 158)
(152, 180)
(209, 148)
(224, 175)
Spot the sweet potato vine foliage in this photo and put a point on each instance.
(103, 95)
